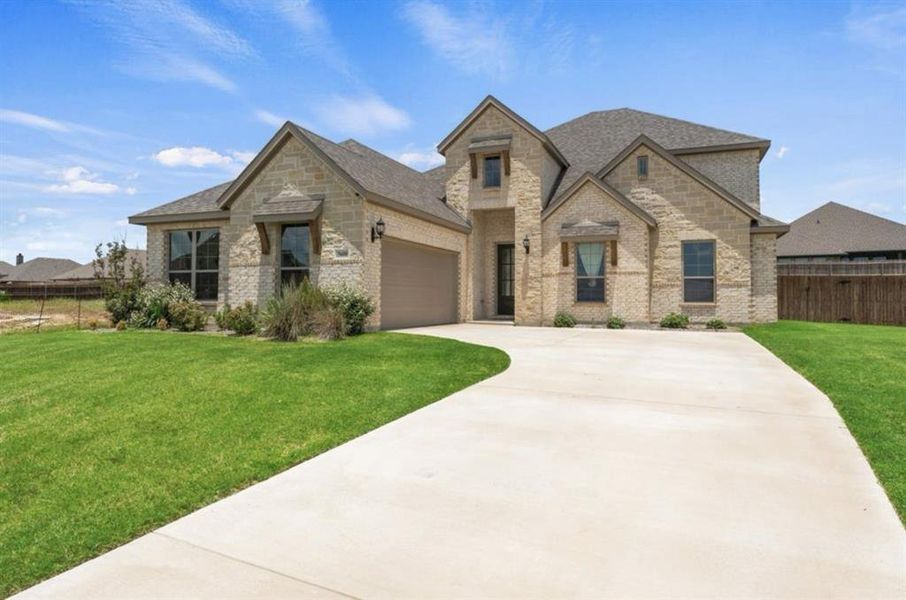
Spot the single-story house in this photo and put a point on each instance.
(38, 270)
(5, 268)
(86, 272)
(835, 232)
(617, 212)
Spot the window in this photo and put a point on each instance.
(642, 166)
(698, 271)
(195, 260)
(294, 248)
(492, 171)
(590, 272)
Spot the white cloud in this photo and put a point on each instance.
(883, 28)
(366, 115)
(79, 180)
(782, 152)
(46, 211)
(878, 207)
(201, 157)
(269, 118)
(31, 120)
(166, 39)
(421, 159)
(476, 43)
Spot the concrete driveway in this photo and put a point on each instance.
(601, 464)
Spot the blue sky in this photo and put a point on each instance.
(110, 108)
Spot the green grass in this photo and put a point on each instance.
(862, 368)
(104, 436)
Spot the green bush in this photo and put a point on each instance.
(716, 324)
(121, 289)
(187, 315)
(4, 296)
(615, 322)
(355, 305)
(675, 321)
(242, 320)
(153, 303)
(564, 319)
(290, 315)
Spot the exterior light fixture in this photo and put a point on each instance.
(525, 243)
(377, 230)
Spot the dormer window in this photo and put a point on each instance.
(492, 171)
(642, 167)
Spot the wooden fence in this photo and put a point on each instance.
(65, 289)
(858, 298)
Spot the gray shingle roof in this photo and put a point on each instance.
(40, 269)
(835, 229)
(383, 176)
(5, 267)
(199, 202)
(591, 141)
(86, 271)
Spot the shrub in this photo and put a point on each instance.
(154, 303)
(121, 326)
(675, 321)
(716, 324)
(564, 319)
(4, 296)
(615, 322)
(242, 320)
(92, 324)
(163, 325)
(329, 323)
(289, 316)
(355, 305)
(221, 317)
(120, 288)
(187, 315)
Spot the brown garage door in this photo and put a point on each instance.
(418, 285)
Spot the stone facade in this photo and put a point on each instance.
(685, 210)
(644, 284)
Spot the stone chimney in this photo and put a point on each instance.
(19, 259)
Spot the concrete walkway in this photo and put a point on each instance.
(601, 464)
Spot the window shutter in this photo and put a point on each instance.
(564, 254)
(473, 161)
(613, 253)
(506, 162)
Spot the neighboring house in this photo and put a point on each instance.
(5, 268)
(39, 270)
(617, 212)
(86, 272)
(835, 232)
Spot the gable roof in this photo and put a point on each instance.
(607, 189)
(86, 271)
(40, 269)
(490, 101)
(644, 140)
(596, 138)
(835, 229)
(5, 267)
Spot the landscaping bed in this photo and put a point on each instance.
(108, 435)
(862, 368)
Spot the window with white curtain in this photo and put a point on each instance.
(590, 272)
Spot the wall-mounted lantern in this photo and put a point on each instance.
(525, 243)
(377, 230)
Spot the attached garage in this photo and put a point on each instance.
(418, 285)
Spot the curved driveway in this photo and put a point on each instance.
(600, 464)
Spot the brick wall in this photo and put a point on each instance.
(626, 284)
(764, 278)
(159, 251)
(489, 229)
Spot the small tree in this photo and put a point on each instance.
(119, 284)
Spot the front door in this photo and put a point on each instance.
(506, 278)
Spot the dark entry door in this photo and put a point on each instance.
(506, 278)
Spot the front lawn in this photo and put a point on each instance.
(862, 368)
(104, 436)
